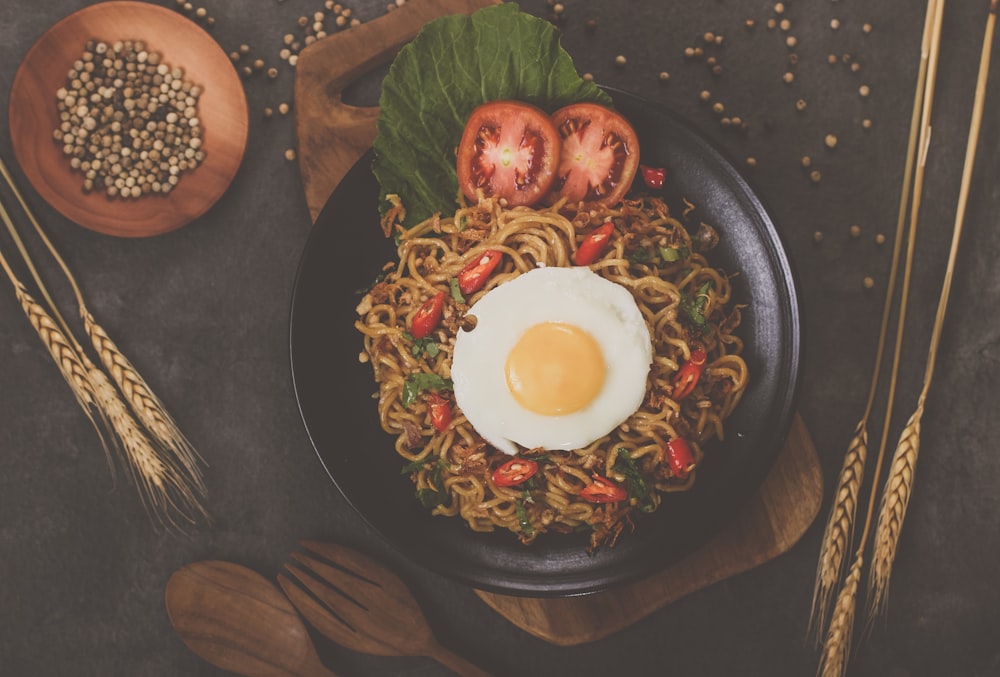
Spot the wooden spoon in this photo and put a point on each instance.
(239, 621)
(358, 603)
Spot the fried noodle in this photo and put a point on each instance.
(686, 304)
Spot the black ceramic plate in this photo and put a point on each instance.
(345, 252)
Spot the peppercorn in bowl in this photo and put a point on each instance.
(128, 118)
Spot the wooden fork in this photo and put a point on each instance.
(360, 604)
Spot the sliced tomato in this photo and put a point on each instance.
(600, 154)
(513, 472)
(509, 150)
(603, 490)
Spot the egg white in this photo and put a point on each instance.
(575, 296)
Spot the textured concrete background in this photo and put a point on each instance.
(203, 313)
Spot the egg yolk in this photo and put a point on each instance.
(555, 369)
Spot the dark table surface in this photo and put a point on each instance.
(203, 313)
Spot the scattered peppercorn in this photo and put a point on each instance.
(855, 231)
(791, 41)
(834, 24)
(868, 282)
(664, 76)
(830, 140)
(866, 28)
(806, 161)
(620, 60)
(800, 105)
(779, 8)
(788, 77)
(290, 154)
(866, 124)
(283, 108)
(831, 58)
(818, 236)
(751, 161)
(785, 25)
(864, 90)
(590, 24)
(815, 176)
(705, 95)
(718, 107)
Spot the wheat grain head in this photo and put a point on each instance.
(837, 647)
(838, 535)
(892, 510)
(69, 362)
(146, 406)
(161, 485)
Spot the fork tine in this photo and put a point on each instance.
(321, 618)
(359, 565)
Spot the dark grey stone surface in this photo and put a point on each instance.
(203, 313)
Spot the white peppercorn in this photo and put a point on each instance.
(125, 118)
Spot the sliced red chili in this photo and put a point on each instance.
(472, 278)
(514, 471)
(440, 410)
(427, 317)
(679, 457)
(594, 245)
(653, 176)
(687, 376)
(603, 490)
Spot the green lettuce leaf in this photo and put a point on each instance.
(454, 64)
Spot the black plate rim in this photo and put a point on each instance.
(562, 586)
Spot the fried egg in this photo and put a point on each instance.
(558, 358)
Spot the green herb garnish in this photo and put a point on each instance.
(422, 346)
(453, 65)
(435, 496)
(635, 483)
(522, 518)
(641, 255)
(456, 291)
(672, 254)
(417, 383)
(365, 290)
(693, 309)
(414, 466)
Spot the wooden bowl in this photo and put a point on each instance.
(222, 109)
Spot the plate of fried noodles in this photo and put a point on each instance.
(705, 265)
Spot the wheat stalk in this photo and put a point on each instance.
(162, 463)
(840, 524)
(838, 536)
(899, 484)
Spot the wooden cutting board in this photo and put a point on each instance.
(331, 137)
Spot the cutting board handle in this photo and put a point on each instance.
(333, 135)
